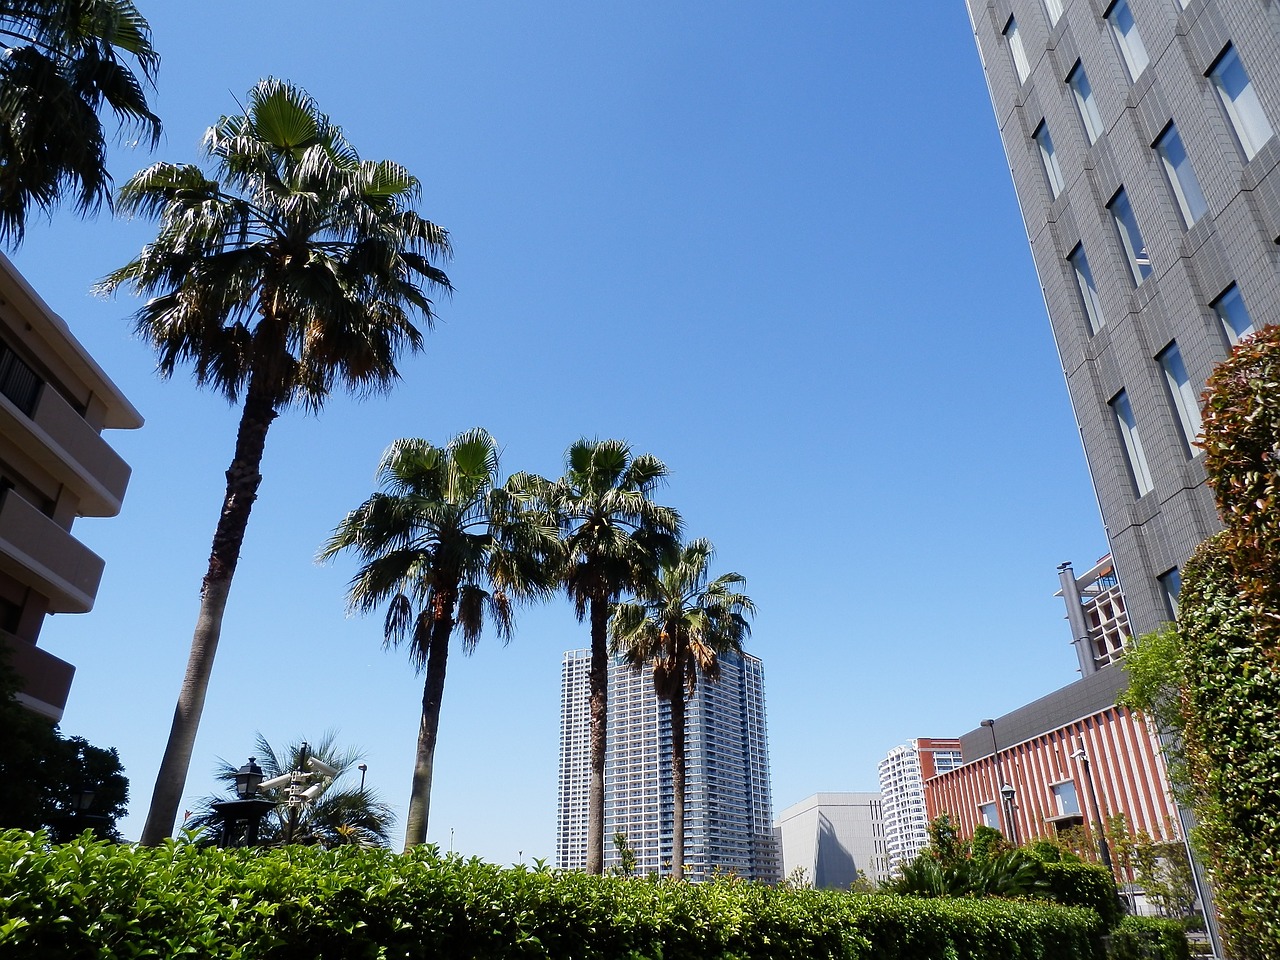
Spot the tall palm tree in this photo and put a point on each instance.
(443, 545)
(295, 270)
(342, 813)
(681, 626)
(611, 536)
(61, 61)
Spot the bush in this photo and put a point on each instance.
(93, 899)
(1148, 938)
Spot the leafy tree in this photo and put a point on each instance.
(944, 840)
(295, 270)
(444, 544)
(680, 627)
(1217, 680)
(626, 855)
(62, 62)
(612, 534)
(343, 813)
(42, 773)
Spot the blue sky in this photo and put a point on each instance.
(774, 244)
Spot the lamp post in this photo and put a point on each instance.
(363, 768)
(1104, 850)
(1007, 792)
(242, 819)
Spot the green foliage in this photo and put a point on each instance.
(944, 840)
(41, 771)
(1241, 434)
(626, 856)
(62, 63)
(93, 899)
(987, 842)
(1156, 681)
(1231, 729)
(341, 813)
(1148, 938)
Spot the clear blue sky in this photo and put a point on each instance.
(774, 244)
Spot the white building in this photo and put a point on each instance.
(834, 837)
(902, 776)
(728, 810)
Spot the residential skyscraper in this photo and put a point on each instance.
(728, 809)
(902, 775)
(1140, 135)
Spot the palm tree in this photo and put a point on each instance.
(61, 61)
(443, 545)
(296, 270)
(681, 626)
(611, 536)
(341, 814)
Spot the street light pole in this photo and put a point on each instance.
(1007, 791)
(1104, 850)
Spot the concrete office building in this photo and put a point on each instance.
(55, 401)
(835, 837)
(902, 775)
(728, 810)
(1140, 135)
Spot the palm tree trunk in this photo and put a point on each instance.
(243, 479)
(415, 827)
(677, 783)
(599, 704)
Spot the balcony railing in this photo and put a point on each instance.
(36, 551)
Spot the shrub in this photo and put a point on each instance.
(92, 899)
(1148, 938)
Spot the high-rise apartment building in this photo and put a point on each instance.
(1140, 135)
(55, 466)
(902, 775)
(728, 809)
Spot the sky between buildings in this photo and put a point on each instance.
(774, 244)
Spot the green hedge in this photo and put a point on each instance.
(93, 899)
(1148, 938)
(1083, 885)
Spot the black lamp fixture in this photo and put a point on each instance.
(82, 800)
(247, 779)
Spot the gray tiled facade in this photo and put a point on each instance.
(1233, 242)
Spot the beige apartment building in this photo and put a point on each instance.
(55, 401)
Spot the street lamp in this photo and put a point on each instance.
(1007, 792)
(242, 819)
(363, 768)
(247, 779)
(1104, 851)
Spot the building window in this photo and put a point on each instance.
(1240, 100)
(1020, 63)
(1054, 9)
(18, 381)
(1184, 396)
(1231, 311)
(1182, 178)
(1052, 172)
(1078, 80)
(1064, 796)
(989, 814)
(1125, 30)
(1130, 236)
(1132, 443)
(1088, 290)
(1171, 585)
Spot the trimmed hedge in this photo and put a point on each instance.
(94, 899)
(1148, 938)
